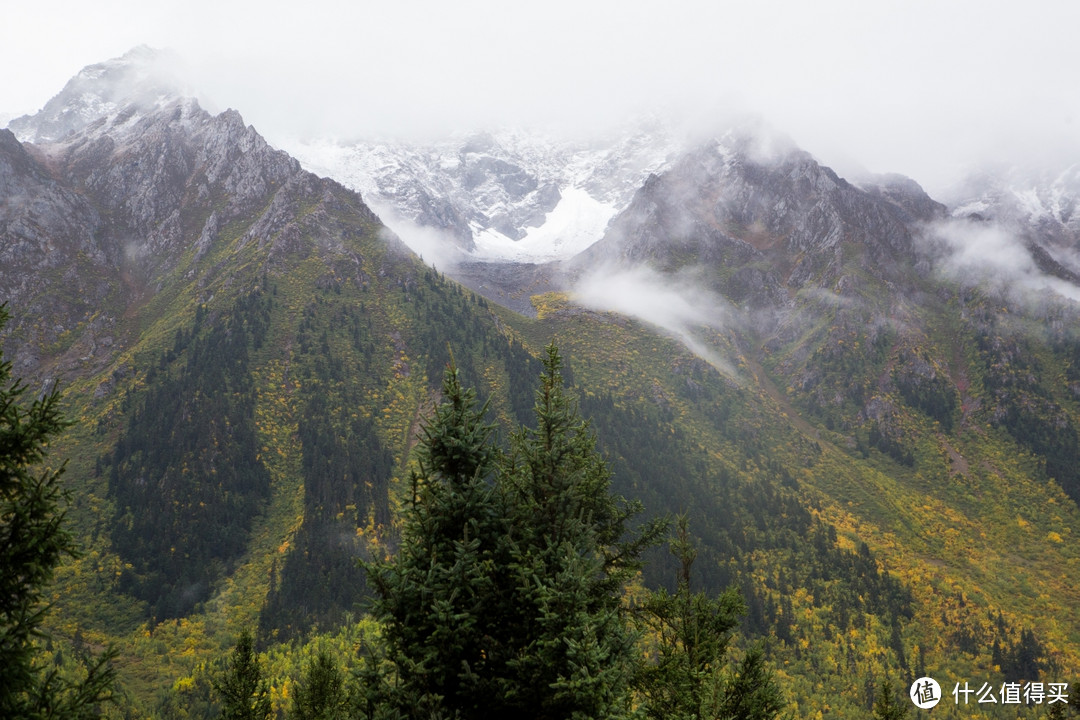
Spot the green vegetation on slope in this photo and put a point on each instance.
(889, 488)
(185, 474)
(34, 539)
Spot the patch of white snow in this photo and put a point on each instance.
(574, 224)
(975, 206)
(1030, 202)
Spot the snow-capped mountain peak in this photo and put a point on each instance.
(141, 80)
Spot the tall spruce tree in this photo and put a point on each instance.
(33, 541)
(440, 598)
(505, 595)
(241, 686)
(571, 553)
(749, 692)
(320, 693)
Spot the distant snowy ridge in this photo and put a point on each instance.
(516, 196)
(1017, 195)
(505, 196)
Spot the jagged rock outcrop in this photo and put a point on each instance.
(55, 273)
(906, 196)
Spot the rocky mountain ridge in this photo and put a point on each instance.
(96, 222)
(772, 222)
(524, 197)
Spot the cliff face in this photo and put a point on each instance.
(55, 271)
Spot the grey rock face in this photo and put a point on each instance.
(907, 196)
(768, 224)
(54, 271)
(94, 225)
(159, 179)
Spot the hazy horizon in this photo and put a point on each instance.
(921, 89)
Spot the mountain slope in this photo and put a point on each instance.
(877, 453)
(939, 404)
(269, 349)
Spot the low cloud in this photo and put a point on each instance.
(435, 247)
(676, 304)
(989, 254)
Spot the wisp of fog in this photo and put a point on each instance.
(988, 253)
(678, 305)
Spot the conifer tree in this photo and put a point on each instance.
(33, 541)
(685, 678)
(372, 693)
(1062, 710)
(571, 552)
(886, 705)
(320, 693)
(439, 598)
(749, 692)
(505, 595)
(241, 687)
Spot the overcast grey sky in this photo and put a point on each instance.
(922, 88)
